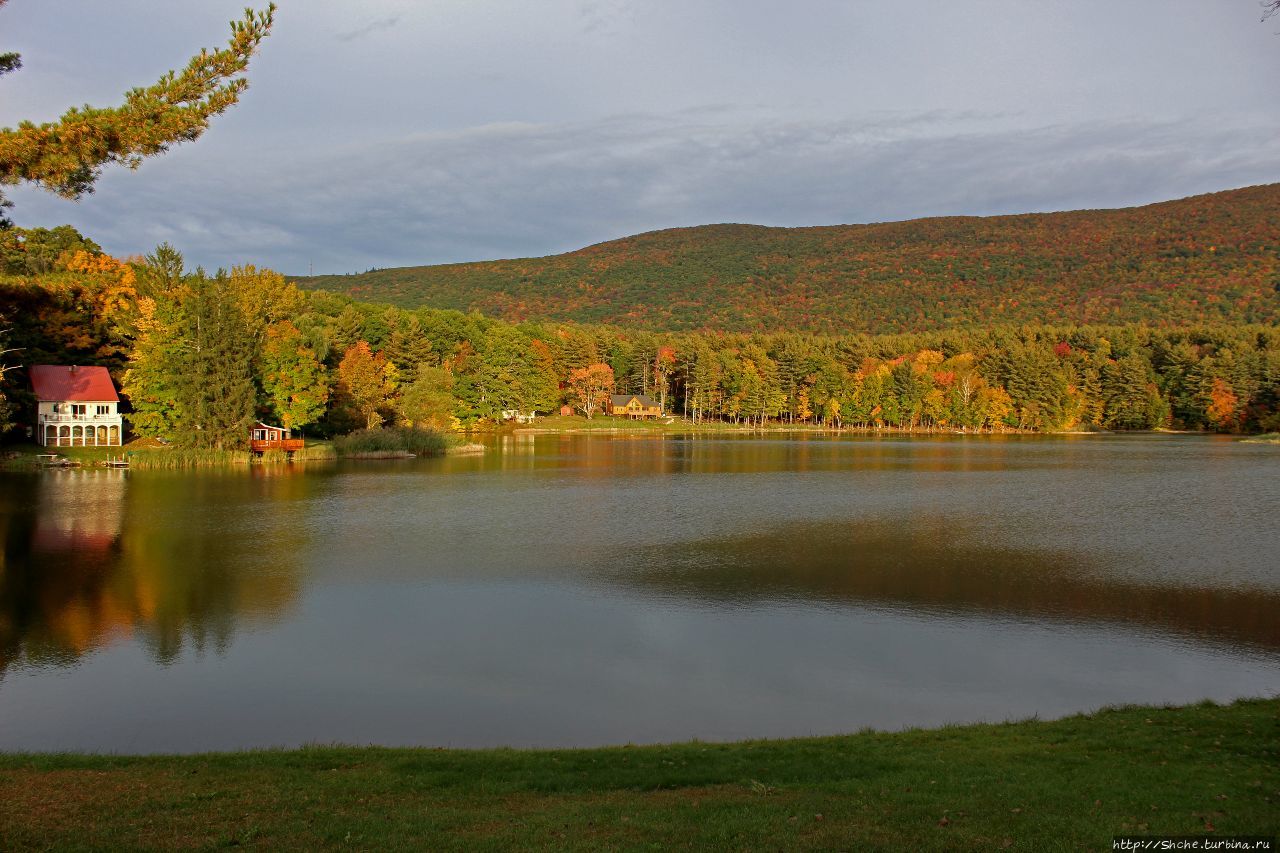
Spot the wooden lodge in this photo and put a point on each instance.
(264, 437)
(634, 406)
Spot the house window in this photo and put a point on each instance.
(104, 410)
(78, 410)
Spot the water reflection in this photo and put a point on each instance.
(93, 557)
(575, 590)
(925, 564)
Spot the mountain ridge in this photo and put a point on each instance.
(1211, 257)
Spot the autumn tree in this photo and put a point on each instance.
(1223, 403)
(366, 382)
(67, 156)
(264, 299)
(151, 379)
(591, 387)
(292, 378)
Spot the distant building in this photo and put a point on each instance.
(264, 437)
(76, 406)
(519, 416)
(634, 406)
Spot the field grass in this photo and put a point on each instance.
(1065, 785)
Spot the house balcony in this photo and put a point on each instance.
(80, 419)
(287, 444)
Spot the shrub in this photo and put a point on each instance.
(390, 441)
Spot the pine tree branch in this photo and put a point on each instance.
(66, 156)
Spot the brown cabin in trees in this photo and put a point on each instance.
(634, 406)
(263, 437)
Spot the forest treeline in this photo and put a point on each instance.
(1210, 258)
(199, 356)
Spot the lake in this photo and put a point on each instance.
(566, 590)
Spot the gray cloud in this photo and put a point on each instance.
(370, 28)
(527, 189)
(605, 16)
(508, 128)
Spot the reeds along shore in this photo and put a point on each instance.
(364, 444)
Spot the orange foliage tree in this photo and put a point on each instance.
(1223, 403)
(591, 386)
(366, 382)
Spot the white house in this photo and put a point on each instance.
(77, 406)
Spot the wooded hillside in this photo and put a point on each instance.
(1209, 258)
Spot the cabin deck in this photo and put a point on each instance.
(286, 444)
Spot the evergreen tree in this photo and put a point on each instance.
(408, 345)
(215, 392)
(428, 401)
(348, 329)
(66, 156)
(1132, 399)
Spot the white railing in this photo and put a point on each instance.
(79, 419)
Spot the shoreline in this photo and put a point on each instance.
(22, 457)
(1031, 785)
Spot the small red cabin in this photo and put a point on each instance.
(263, 437)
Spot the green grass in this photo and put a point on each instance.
(1065, 785)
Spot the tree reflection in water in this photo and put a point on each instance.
(92, 557)
(931, 563)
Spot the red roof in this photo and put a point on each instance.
(82, 384)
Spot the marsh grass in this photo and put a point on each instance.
(137, 457)
(315, 451)
(390, 442)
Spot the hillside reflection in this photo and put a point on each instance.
(929, 565)
(92, 557)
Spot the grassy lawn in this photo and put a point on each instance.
(1065, 785)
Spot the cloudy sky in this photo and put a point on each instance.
(395, 132)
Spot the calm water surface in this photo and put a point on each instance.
(580, 590)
